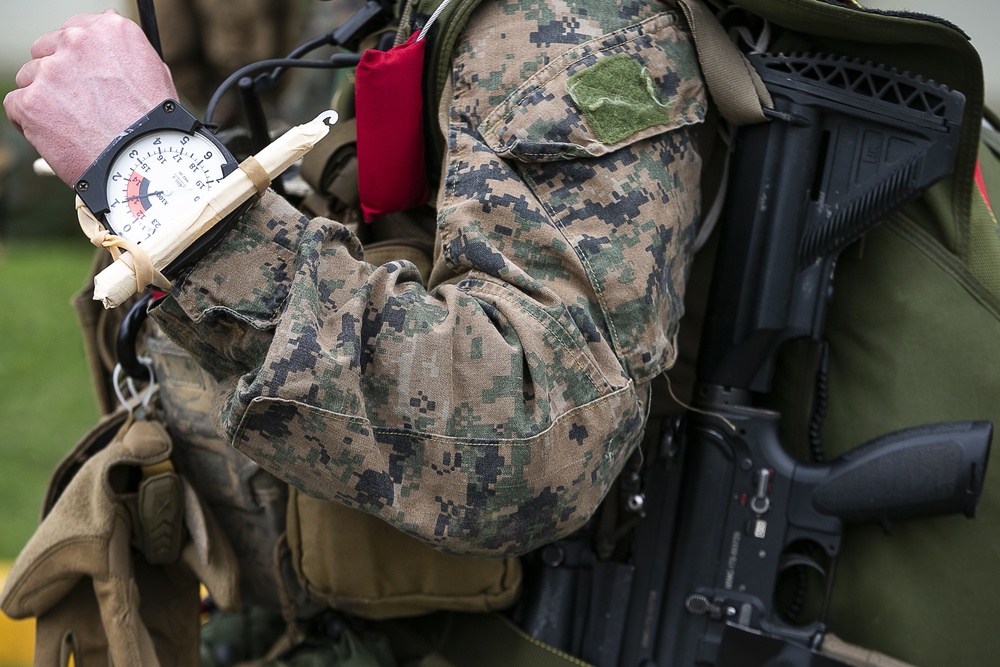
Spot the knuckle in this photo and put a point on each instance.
(25, 101)
(117, 22)
(10, 103)
(23, 76)
(34, 74)
(41, 46)
(73, 38)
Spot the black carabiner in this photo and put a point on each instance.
(128, 337)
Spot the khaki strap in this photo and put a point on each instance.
(837, 648)
(152, 470)
(332, 166)
(484, 640)
(734, 84)
(473, 637)
(508, 644)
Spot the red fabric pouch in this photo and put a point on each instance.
(389, 103)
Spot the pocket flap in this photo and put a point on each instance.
(607, 93)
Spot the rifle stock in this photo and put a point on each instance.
(849, 142)
(728, 512)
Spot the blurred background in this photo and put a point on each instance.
(45, 396)
(46, 402)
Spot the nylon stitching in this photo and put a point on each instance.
(450, 440)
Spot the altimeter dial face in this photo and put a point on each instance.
(159, 177)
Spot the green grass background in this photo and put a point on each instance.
(46, 402)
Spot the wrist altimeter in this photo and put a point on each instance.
(154, 174)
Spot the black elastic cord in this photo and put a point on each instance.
(279, 64)
(147, 21)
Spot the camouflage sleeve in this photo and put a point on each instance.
(489, 412)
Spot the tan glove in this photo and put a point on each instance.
(109, 537)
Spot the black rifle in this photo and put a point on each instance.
(727, 510)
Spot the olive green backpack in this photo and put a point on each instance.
(912, 331)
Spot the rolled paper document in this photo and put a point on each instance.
(42, 168)
(115, 284)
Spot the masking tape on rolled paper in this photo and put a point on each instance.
(115, 284)
(42, 168)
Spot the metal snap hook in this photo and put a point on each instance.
(136, 399)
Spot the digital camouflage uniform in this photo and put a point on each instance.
(488, 412)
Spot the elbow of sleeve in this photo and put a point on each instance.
(484, 497)
(507, 498)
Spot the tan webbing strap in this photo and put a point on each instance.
(734, 84)
(490, 640)
(331, 167)
(837, 648)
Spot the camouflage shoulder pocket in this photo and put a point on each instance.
(608, 92)
(604, 136)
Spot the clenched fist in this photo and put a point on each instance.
(85, 84)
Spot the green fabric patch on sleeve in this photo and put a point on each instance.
(618, 98)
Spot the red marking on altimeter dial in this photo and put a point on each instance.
(137, 194)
